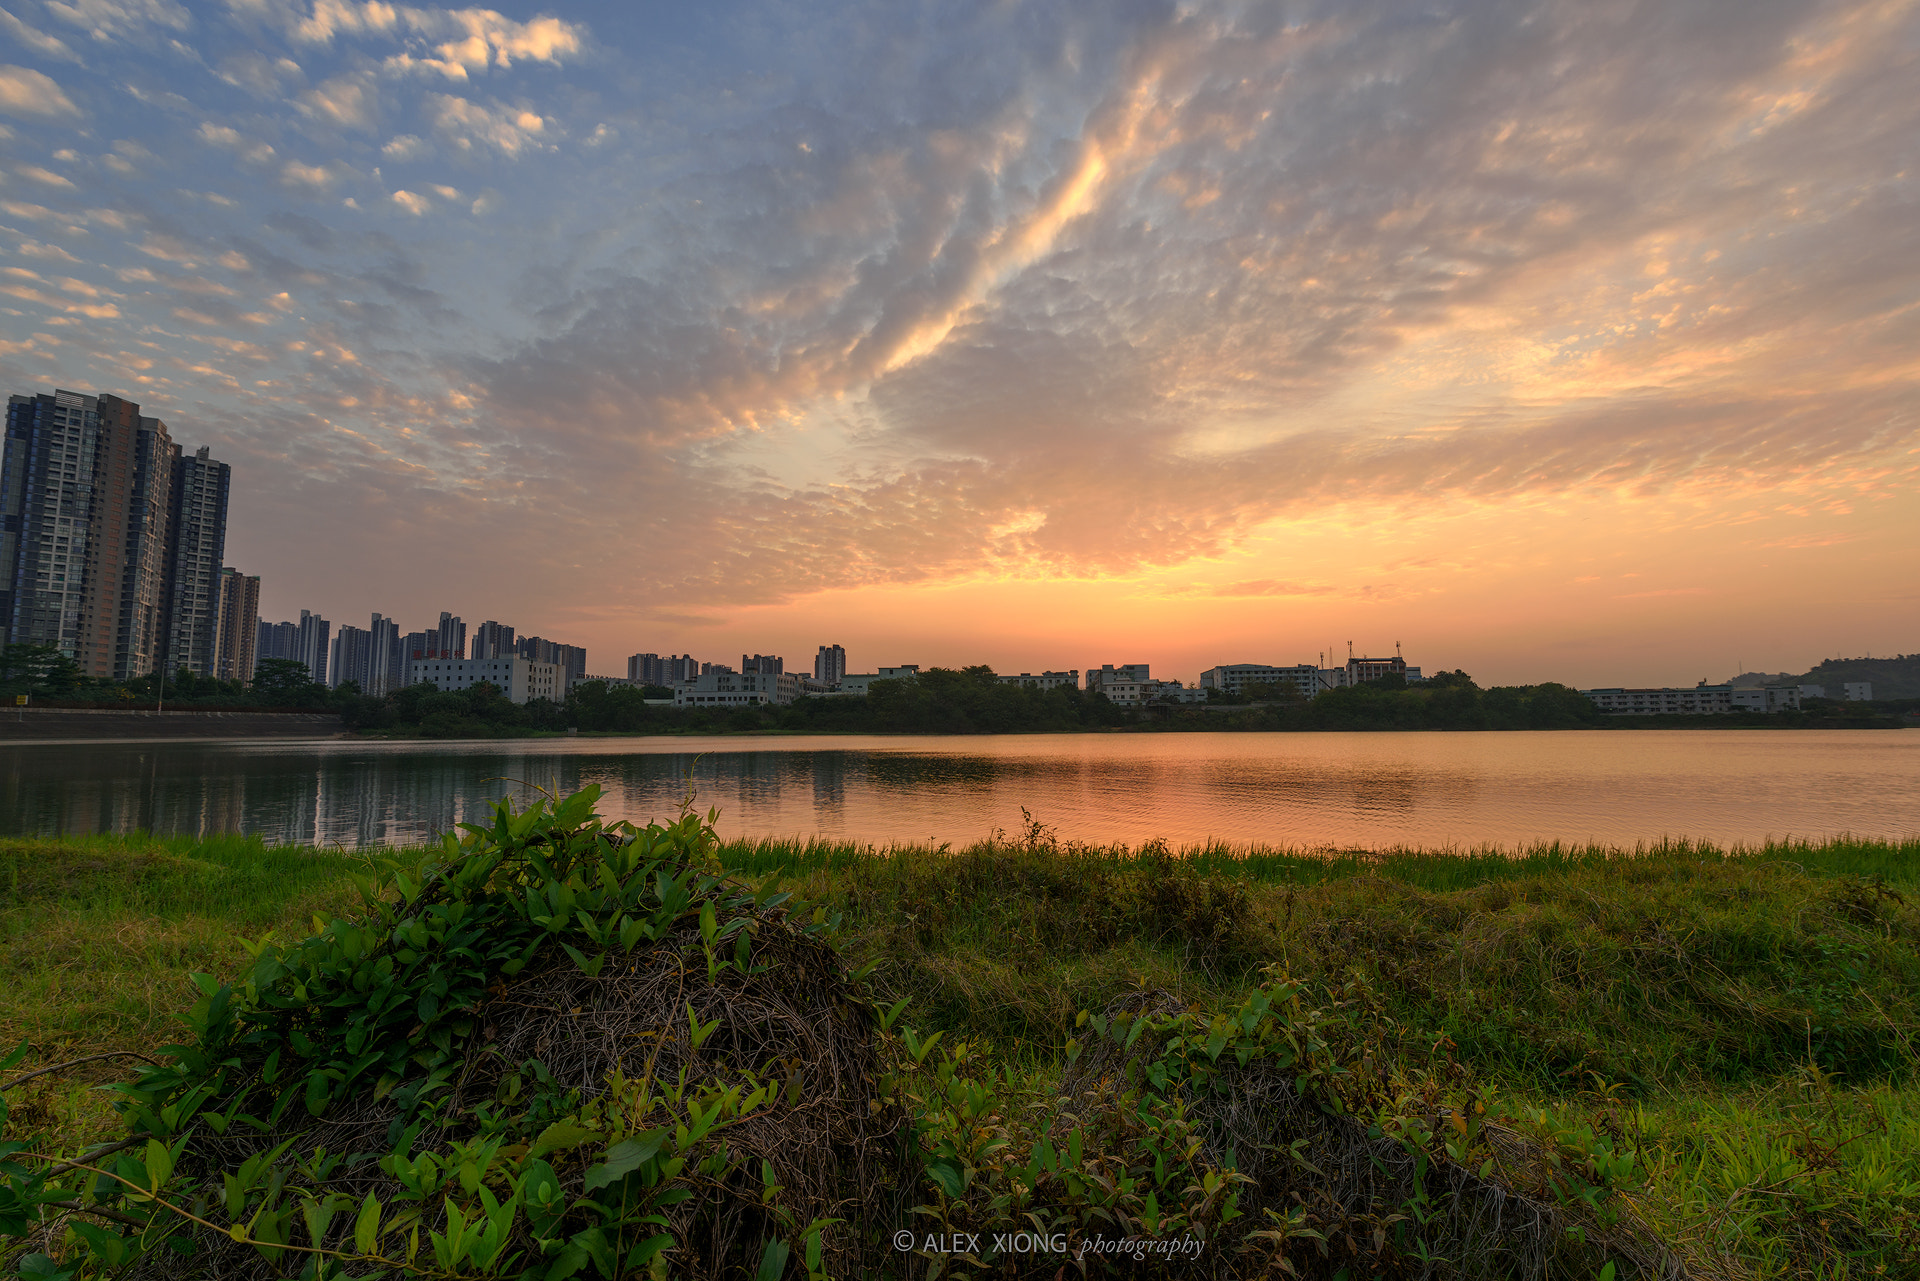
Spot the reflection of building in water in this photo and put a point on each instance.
(829, 781)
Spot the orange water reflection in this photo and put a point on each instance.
(1341, 790)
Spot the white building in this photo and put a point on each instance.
(739, 689)
(520, 679)
(857, 683)
(1098, 678)
(1857, 691)
(1813, 691)
(1701, 700)
(1140, 693)
(1233, 679)
(1045, 680)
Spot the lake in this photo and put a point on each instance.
(1371, 791)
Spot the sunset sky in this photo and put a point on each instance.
(1566, 341)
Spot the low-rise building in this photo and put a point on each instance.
(1140, 693)
(1045, 680)
(1232, 679)
(520, 679)
(858, 683)
(1701, 700)
(738, 689)
(1857, 691)
(1098, 678)
(1813, 691)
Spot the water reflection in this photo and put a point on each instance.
(1348, 790)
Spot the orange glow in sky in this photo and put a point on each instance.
(1550, 345)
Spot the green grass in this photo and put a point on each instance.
(1749, 1015)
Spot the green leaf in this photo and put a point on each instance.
(624, 1158)
(949, 1174)
(562, 1136)
(773, 1261)
(594, 1242)
(642, 1253)
(366, 1228)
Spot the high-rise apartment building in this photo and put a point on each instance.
(84, 498)
(46, 503)
(306, 642)
(765, 664)
(311, 642)
(830, 664)
(125, 613)
(450, 641)
(651, 669)
(350, 656)
(91, 534)
(493, 640)
(277, 640)
(196, 545)
(571, 659)
(238, 633)
(386, 664)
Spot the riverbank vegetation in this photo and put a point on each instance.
(548, 1053)
(970, 700)
(974, 701)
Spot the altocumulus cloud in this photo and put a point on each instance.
(912, 292)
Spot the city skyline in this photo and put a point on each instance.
(1556, 342)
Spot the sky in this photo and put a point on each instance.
(1575, 340)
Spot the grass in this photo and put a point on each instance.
(1748, 1016)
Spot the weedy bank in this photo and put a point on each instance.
(555, 1047)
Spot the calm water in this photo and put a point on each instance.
(1348, 790)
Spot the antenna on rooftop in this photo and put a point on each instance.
(1396, 650)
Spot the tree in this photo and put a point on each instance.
(281, 675)
(39, 667)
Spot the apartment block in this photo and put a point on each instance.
(1069, 679)
(238, 630)
(860, 683)
(85, 489)
(386, 662)
(1099, 677)
(101, 553)
(521, 680)
(1701, 700)
(1233, 679)
(196, 546)
(737, 689)
(351, 657)
(651, 669)
(493, 640)
(571, 658)
(830, 664)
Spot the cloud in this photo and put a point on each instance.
(349, 102)
(26, 92)
(404, 147)
(110, 19)
(509, 130)
(32, 38)
(45, 177)
(314, 179)
(1051, 292)
(260, 74)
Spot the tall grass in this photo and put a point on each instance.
(1754, 1009)
(1427, 869)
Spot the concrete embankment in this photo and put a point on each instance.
(66, 724)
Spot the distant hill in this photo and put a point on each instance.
(1896, 677)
